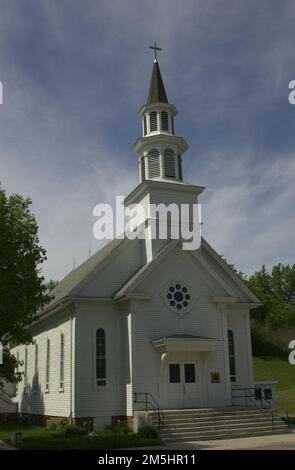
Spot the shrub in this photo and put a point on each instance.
(70, 429)
(119, 428)
(22, 419)
(148, 432)
(266, 342)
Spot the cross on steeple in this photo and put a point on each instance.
(156, 49)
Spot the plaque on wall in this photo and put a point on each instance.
(215, 377)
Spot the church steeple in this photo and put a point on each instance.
(159, 150)
(159, 153)
(157, 93)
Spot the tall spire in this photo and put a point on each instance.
(157, 93)
(159, 150)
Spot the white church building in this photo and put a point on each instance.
(142, 324)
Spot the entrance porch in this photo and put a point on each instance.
(184, 377)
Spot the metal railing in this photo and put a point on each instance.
(250, 397)
(149, 401)
(6, 397)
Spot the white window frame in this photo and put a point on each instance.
(233, 377)
(35, 379)
(95, 379)
(47, 367)
(26, 371)
(17, 370)
(62, 362)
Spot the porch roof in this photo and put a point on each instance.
(185, 343)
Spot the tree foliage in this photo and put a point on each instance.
(276, 290)
(22, 289)
(50, 285)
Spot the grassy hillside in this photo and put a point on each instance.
(269, 368)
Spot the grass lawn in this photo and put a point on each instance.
(36, 437)
(267, 368)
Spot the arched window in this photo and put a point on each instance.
(169, 164)
(164, 121)
(26, 371)
(62, 361)
(153, 121)
(231, 355)
(154, 164)
(144, 126)
(17, 371)
(35, 382)
(47, 379)
(100, 357)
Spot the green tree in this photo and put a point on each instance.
(50, 285)
(22, 289)
(276, 290)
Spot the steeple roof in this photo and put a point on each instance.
(157, 93)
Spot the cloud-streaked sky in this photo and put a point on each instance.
(75, 74)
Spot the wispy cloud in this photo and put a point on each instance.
(75, 74)
(249, 215)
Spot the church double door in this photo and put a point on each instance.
(182, 384)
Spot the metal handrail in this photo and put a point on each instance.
(252, 396)
(6, 397)
(287, 419)
(153, 403)
(253, 399)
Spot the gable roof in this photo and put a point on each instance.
(69, 283)
(68, 287)
(230, 272)
(140, 275)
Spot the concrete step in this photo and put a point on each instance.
(200, 420)
(195, 424)
(187, 434)
(207, 413)
(233, 435)
(232, 409)
(196, 418)
(216, 425)
(222, 427)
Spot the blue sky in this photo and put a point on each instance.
(75, 74)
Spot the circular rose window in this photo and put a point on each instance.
(178, 297)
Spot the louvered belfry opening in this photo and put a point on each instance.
(179, 160)
(142, 169)
(159, 150)
(154, 164)
(144, 126)
(172, 124)
(164, 121)
(169, 164)
(153, 121)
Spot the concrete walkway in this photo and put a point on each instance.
(4, 446)
(278, 442)
(275, 442)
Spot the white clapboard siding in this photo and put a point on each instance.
(153, 320)
(132, 363)
(93, 400)
(54, 402)
(238, 322)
